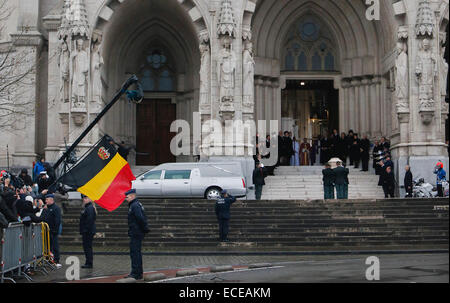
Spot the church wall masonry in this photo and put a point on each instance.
(391, 73)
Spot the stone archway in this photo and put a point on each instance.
(163, 25)
(361, 49)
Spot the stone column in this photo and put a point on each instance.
(267, 101)
(363, 107)
(343, 106)
(377, 102)
(351, 106)
(27, 48)
(259, 98)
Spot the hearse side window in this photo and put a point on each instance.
(153, 175)
(177, 174)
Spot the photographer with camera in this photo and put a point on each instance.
(440, 177)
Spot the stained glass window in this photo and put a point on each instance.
(156, 72)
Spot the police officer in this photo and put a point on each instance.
(52, 216)
(222, 209)
(87, 229)
(137, 228)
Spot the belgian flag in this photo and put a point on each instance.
(102, 175)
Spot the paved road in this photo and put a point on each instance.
(433, 268)
(287, 269)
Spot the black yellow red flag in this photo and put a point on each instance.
(102, 175)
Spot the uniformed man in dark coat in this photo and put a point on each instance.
(52, 216)
(408, 182)
(328, 182)
(389, 183)
(87, 229)
(137, 228)
(341, 181)
(222, 209)
(259, 173)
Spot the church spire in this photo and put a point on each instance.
(226, 24)
(424, 21)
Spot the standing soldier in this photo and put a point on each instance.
(222, 209)
(137, 228)
(52, 216)
(328, 182)
(341, 181)
(259, 173)
(87, 229)
(389, 183)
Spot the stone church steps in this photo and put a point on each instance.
(305, 182)
(275, 225)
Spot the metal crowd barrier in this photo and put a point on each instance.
(23, 247)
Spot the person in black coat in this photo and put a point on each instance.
(137, 228)
(44, 181)
(408, 182)
(88, 229)
(52, 216)
(389, 183)
(6, 211)
(349, 140)
(341, 181)
(324, 150)
(25, 177)
(342, 149)
(222, 210)
(334, 142)
(25, 208)
(328, 182)
(355, 150)
(365, 153)
(259, 173)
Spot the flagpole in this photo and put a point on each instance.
(133, 79)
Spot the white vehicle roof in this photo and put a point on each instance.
(207, 169)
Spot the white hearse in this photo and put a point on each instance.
(191, 180)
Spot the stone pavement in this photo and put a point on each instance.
(108, 269)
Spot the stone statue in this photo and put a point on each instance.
(401, 75)
(426, 71)
(204, 74)
(226, 72)
(97, 63)
(443, 72)
(248, 76)
(80, 64)
(64, 71)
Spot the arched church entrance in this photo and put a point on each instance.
(158, 41)
(309, 101)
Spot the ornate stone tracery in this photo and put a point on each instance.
(226, 60)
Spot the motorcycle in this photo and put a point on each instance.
(422, 189)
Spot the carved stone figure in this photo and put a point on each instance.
(97, 63)
(80, 63)
(426, 71)
(248, 76)
(401, 69)
(226, 73)
(204, 74)
(64, 72)
(443, 72)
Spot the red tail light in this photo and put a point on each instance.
(243, 183)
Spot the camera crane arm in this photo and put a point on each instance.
(132, 80)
